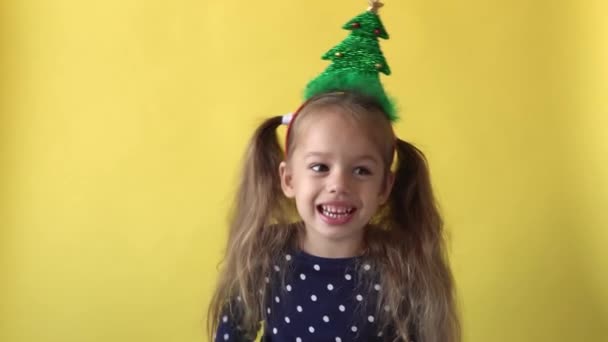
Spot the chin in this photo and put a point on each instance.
(338, 232)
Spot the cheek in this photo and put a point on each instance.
(303, 185)
(309, 187)
(377, 187)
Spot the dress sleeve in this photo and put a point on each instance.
(228, 330)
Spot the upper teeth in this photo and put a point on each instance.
(336, 210)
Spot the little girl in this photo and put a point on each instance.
(329, 241)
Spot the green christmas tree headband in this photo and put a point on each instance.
(356, 64)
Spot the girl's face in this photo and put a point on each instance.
(338, 179)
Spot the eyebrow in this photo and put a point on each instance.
(316, 154)
(358, 158)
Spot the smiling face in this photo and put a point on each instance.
(338, 177)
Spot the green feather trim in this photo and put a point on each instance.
(347, 80)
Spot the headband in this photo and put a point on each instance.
(356, 65)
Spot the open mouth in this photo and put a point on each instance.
(333, 214)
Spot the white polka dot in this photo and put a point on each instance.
(367, 267)
(299, 308)
(325, 319)
(313, 298)
(267, 280)
(274, 331)
(277, 299)
(311, 329)
(387, 308)
(225, 319)
(359, 297)
(288, 287)
(338, 339)
(302, 276)
(342, 308)
(287, 257)
(330, 287)
(348, 276)
(298, 339)
(353, 328)
(316, 267)
(276, 268)
(226, 337)
(268, 310)
(261, 292)
(238, 298)
(377, 287)
(289, 321)
(370, 318)
(380, 334)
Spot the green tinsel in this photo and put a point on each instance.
(356, 63)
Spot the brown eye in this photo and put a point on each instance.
(319, 168)
(362, 171)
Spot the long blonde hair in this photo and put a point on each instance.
(405, 240)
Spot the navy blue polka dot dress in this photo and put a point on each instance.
(320, 300)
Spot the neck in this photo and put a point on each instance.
(322, 247)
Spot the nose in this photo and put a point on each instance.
(338, 182)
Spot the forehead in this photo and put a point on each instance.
(334, 130)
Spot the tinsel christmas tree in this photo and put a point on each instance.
(357, 61)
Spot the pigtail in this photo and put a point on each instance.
(422, 286)
(259, 211)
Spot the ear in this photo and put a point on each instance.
(286, 180)
(388, 187)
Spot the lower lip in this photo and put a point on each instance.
(340, 219)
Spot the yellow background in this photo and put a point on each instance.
(122, 124)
